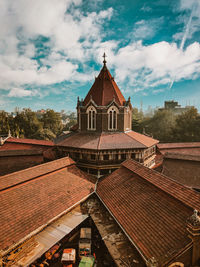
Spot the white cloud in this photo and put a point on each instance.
(72, 40)
(20, 92)
(145, 29)
(193, 8)
(154, 65)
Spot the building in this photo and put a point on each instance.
(104, 137)
(20, 153)
(174, 107)
(12, 143)
(183, 167)
(141, 215)
(33, 198)
(155, 212)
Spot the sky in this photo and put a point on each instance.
(51, 51)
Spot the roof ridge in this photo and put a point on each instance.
(34, 167)
(134, 138)
(192, 203)
(18, 176)
(99, 142)
(28, 140)
(42, 175)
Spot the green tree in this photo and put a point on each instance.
(187, 126)
(137, 120)
(44, 134)
(160, 126)
(4, 123)
(26, 123)
(52, 120)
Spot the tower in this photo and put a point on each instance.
(104, 108)
(104, 138)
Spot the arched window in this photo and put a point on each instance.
(91, 111)
(128, 112)
(112, 118)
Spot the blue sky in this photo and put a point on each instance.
(51, 51)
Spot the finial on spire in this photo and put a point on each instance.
(104, 61)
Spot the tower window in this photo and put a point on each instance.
(91, 118)
(112, 118)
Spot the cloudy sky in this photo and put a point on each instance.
(51, 51)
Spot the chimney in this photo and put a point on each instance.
(193, 227)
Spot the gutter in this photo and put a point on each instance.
(4, 252)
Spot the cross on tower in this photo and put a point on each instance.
(104, 61)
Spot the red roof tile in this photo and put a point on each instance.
(146, 140)
(26, 152)
(38, 199)
(178, 145)
(182, 156)
(30, 141)
(108, 140)
(33, 172)
(104, 90)
(151, 208)
(192, 151)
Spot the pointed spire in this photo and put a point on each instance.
(104, 61)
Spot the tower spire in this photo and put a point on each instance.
(104, 61)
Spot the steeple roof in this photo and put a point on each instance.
(104, 89)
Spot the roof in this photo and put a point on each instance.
(178, 145)
(29, 141)
(104, 90)
(182, 156)
(150, 207)
(27, 152)
(32, 198)
(108, 140)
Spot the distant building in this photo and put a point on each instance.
(21, 153)
(181, 161)
(103, 137)
(174, 107)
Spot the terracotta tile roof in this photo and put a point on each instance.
(182, 156)
(18, 177)
(27, 152)
(108, 140)
(146, 140)
(151, 208)
(178, 145)
(192, 151)
(104, 90)
(41, 196)
(30, 141)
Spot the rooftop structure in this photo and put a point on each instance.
(32, 198)
(155, 213)
(20, 153)
(103, 137)
(24, 143)
(152, 209)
